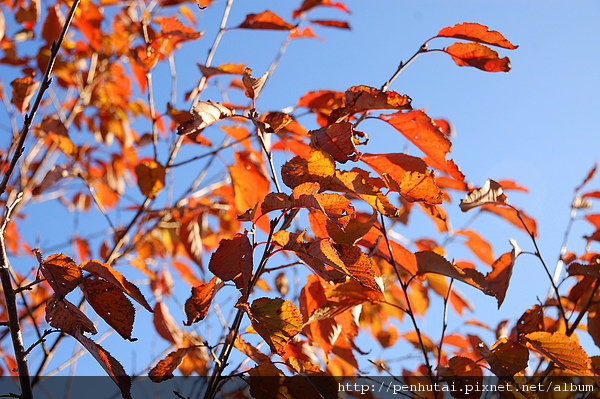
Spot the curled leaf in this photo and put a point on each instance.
(232, 261)
(338, 140)
(61, 272)
(196, 306)
(490, 193)
(204, 113)
(506, 358)
(478, 56)
(164, 369)
(252, 85)
(265, 20)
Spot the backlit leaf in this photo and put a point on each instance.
(478, 56)
(109, 274)
(23, 90)
(337, 207)
(407, 175)
(364, 98)
(275, 121)
(580, 269)
(265, 20)
(490, 193)
(150, 177)
(479, 246)
(310, 4)
(250, 184)
(204, 113)
(252, 85)
(319, 168)
(478, 33)
(232, 261)
(196, 306)
(359, 266)
(562, 350)
(276, 320)
(430, 262)
(62, 273)
(227, 69)
(338, 140)
(330, 23)
(465, 375)
(57, 132)
(506, 358)
(111, 304)
(511, 215)
(498, 279)
(64, 316)
(164, 369)
(251, 351)
(354, 182)
(532, 320)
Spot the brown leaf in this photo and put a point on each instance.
(497, 280)
(164, 369)
(477, 33)
(204, 113)
(359, 266)
(338, 140)
(276, 320)
(253, 86)
(111, 304)
(57, 132)
(464, 374)
(196, 306)
(275, 121)
(532, 320)
(61, 272)
(506, 358)
(593, 323)
(150, 177)
(265, 20)
(407, 175)
(365, 98)
(54, 175)
(490, 193)
(109, 274)
(23, 90)
(232, 261)
(319, 168)
(227, 69)
(562, 350)
(165, 325)
(112, 367)
(478, 56)
(64, 316)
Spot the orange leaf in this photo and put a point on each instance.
(532, 320)
(204, 113)
(232, 261)
(480, 247)
(322, 103)
(250, 184)
(109, 274)
(356, 228)
(265, 20)
(112, 367)
(150, 177)
(227, 69)
(405, 259)
(330, 23)
(352, 292)
(512, 216)
(57, 132)
(275, 121)
(477, 33)
(593, 323)
(357, 183)
(319, 168)
(171, 27)
(164, 369)
(562, 350)
(490, 193)
(337, 207)
(407, 175)
(359, 266)
(111, 304)
(196, 307)
(464, 374)
(276, 320)
(422, 131)
(252, 85)
(506, 358)
(338, 140)
(64, 316)
(165, 325)
(61, 272)
(23, 90)
(478, 56)
(497, 280)
(191, 239)
(251, 351)
(431, 262)
(413, 338)
(365, 98)
(309, 4)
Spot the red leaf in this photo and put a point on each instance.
(61, 272)
(232, 261)
(480, 247)
(330, 23)
(249, 180)
(478, 33)
(478, 56)
(63, 315)
(265, 20)
(338, 140)
(309, 4)
(506, 357)
(512, 216)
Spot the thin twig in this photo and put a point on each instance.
(445, 320)
(403, 65)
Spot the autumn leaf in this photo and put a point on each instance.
(61, 272)
(223, 69)
(277, 321)
(463, 373)
(196, 306)
(23, 90)
(593, 323)
(265, 20)
(330, 23)
(111, 304)
(252, 85)
(310, 4)
(506, 358)
(275, 121)
(150, 177)
(105, 271)
(204, 113)
(498, 279)
(319, 168)
(251, 351)
(64, 316)
(359, 266)
(232, 261)
(514, 216)
(478, 245)
(477, 33)
(490, 193)
(531, 320)
(338, 140)
(364, 98)
(560, 349)
(337, 207)
(164, 368)
(478, 56)
(249, 180)
(407, 175)
(357, 183)
(58, 134)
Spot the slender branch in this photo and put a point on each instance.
(445, 320)
(403, 65)
(560, 264)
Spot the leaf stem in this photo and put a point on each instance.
(403, 65)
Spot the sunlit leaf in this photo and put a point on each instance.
(265, 20)
(164, 368)
(232, 261)
(204, 113)
(62, 273)
(165, 324)
(196, 306)
(355, 183)
(57, 133)
(150, 177)
(227, 69)
(310, 4)
(63, 315)
(478, 56)
(359, 266)
(23, 90)
(478, 33)
(319, 168)
(252, 85)
(531, 320)
(506, 358)
(490, 193)
(593, 323)
(562, 350)
(249, 180)
(478, 245)
(251, 351)
(330, 23)
(463, 373)
(511, 215)
(275, 121)
(338, 140)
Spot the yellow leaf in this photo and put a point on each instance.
(150, 177)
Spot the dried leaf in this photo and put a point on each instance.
(477, 33)
(277, 321)
(150, 177)
(23, 90)
(359, 266)
(196, 306)
(478, 56)
(251, 351)
(111, 304)
(562, 350)
(232, 261)
(338, 140)
(275, 121)
(498, 279)
(465, 375)
(64, 316)
(105, 271)
(54, 175)
(265, 20)
(61, 272)
(204, 113)
(253, 86)
(407, 175)
(490, 193)
(506, 358)
(164, 369)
